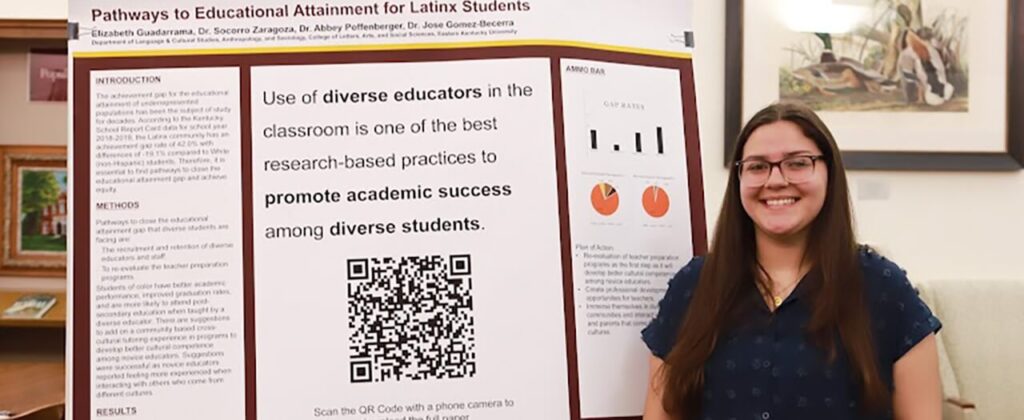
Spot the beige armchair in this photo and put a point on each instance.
(981, 346)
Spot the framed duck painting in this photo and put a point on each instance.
(902, 84)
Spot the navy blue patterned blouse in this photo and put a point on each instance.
(769, 370)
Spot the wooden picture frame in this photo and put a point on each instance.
(33, 183)
(33, 29)
(1009, 158)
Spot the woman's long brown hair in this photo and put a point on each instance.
(835, 288)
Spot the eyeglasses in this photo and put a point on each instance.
(795, 169)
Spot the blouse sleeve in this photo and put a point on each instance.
(903, 318)
(660, 333)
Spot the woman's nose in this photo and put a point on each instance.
(775, 177)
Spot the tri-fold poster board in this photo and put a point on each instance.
(376, 210)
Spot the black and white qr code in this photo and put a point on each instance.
(411, 318)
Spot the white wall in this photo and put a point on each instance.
(34, 9)
(935, 225)
(23, 122)
(27, 123)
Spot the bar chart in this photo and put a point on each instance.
(638, 142)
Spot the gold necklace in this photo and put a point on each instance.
(777, 297)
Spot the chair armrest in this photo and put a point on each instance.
(960, 403)
(958, 409)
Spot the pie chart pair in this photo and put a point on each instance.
(605, 199)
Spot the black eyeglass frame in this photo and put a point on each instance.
(773, 165)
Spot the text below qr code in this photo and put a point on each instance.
(411, 318)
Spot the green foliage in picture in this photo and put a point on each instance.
(43, 216)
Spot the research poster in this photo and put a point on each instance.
(376, 210)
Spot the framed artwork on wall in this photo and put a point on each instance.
(902, 84)
(47, 75)
(35, 214)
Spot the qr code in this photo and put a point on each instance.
(411, 318)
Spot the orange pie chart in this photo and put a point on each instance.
(604, 198)
(655, 201)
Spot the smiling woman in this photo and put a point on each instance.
(786, 201)
(787, 317)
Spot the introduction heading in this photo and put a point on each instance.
(309, 10)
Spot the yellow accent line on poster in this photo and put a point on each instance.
(382, 47)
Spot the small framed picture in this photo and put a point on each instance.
(48, 75)
(35, 216)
